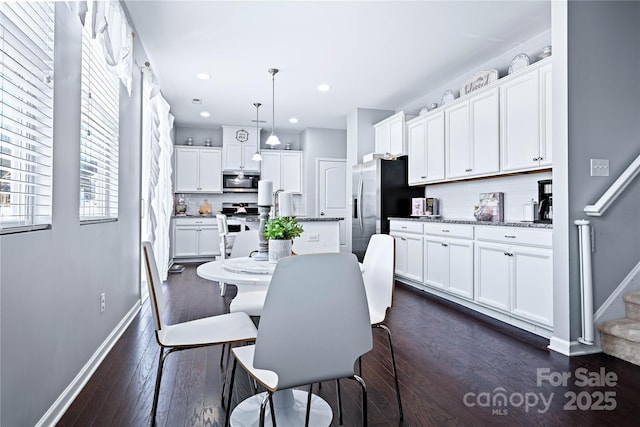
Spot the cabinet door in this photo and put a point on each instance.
(485, 133)
(396, 136)
(414, 257)
(461, 267)
(185, 241)
(532, 296)
(249, 148)
(401, 254)
(232, 156)
(492, 278)
(382, 139)
(520, 122)
(546, 114)
(208, 241)
(435, 147)
(210, 168)
(417, 147)
(271, 168)
(291, 172)
(457, 141)
(436, 262)
(186, 169)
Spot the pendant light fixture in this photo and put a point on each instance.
(273, 139)
(257, 157)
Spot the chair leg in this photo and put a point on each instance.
(233, 377)
(273, 411)
(154, 407)
(263, 406)
(339, 396)
(306, 418)
(222, 354)
(364, 398)
(395, 370)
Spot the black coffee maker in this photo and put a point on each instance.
(545, 201)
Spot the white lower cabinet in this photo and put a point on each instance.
(195, 238)
(448, 264)
(504, 272)
(408, 237)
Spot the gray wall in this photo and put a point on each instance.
(603, 123)
(319, 143)
(50, 281)
(214, 132)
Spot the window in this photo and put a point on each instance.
(99, 133)
(26, 115)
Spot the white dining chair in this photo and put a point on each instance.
(228, 329)
(314, 326)
(223, 233)
(379, 281)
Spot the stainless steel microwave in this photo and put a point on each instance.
(232, 182)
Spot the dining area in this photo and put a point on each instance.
(314, 315)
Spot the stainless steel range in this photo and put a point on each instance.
(239, 209)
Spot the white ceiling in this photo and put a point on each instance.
(374, 54)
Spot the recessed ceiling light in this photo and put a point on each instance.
(205, 114)
(293, 120)
(324, 87)
(203, 76)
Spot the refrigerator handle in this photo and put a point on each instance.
(360, 188)
(355, 208)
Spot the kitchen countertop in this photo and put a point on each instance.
(472, 222)
(256, 218)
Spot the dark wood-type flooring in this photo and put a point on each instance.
(448, 359)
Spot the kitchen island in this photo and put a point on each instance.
(321, 234)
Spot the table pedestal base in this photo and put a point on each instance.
(290, 407)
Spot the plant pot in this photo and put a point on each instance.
(279, 249)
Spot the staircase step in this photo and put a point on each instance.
(621, 338)
(632, 305)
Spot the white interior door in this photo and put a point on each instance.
(332, 193)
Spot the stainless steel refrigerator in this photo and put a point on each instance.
(380, 191)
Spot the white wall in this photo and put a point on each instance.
(51, 280)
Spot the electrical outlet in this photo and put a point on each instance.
(103, 304)
(599, 167)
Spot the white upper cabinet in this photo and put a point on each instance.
(284, 168)
(472, 142)
(390, 134)
(425, 140)
(525, 118)
(238, 147)
(198, 169)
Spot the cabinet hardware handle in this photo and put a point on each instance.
(509, 236)
(444, 230)
(404, 227)
(445, 245)
(508, 254)
(539, 158)
(423, 177)
(402, 238)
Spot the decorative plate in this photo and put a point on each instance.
(447, 97)
(519, 62)
(242, 135)
(479, 80)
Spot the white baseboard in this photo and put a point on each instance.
(571, 348)
(62, 403)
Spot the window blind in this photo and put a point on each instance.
(99, 133)
(26, 115)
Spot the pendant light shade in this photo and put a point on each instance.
(273, 139)
(257, 157)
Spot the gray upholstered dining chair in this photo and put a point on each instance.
(221, 329)
(310, 297)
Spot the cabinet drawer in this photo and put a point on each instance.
(195, 221)
(513, 235)
(449, 230)
(406, 226)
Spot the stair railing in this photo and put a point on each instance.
(586, 246)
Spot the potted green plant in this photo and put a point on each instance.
(280, 231)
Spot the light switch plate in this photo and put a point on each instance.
(599, 167)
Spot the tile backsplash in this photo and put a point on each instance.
(194, 201)
(457, 199)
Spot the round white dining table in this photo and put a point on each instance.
(290, 405)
